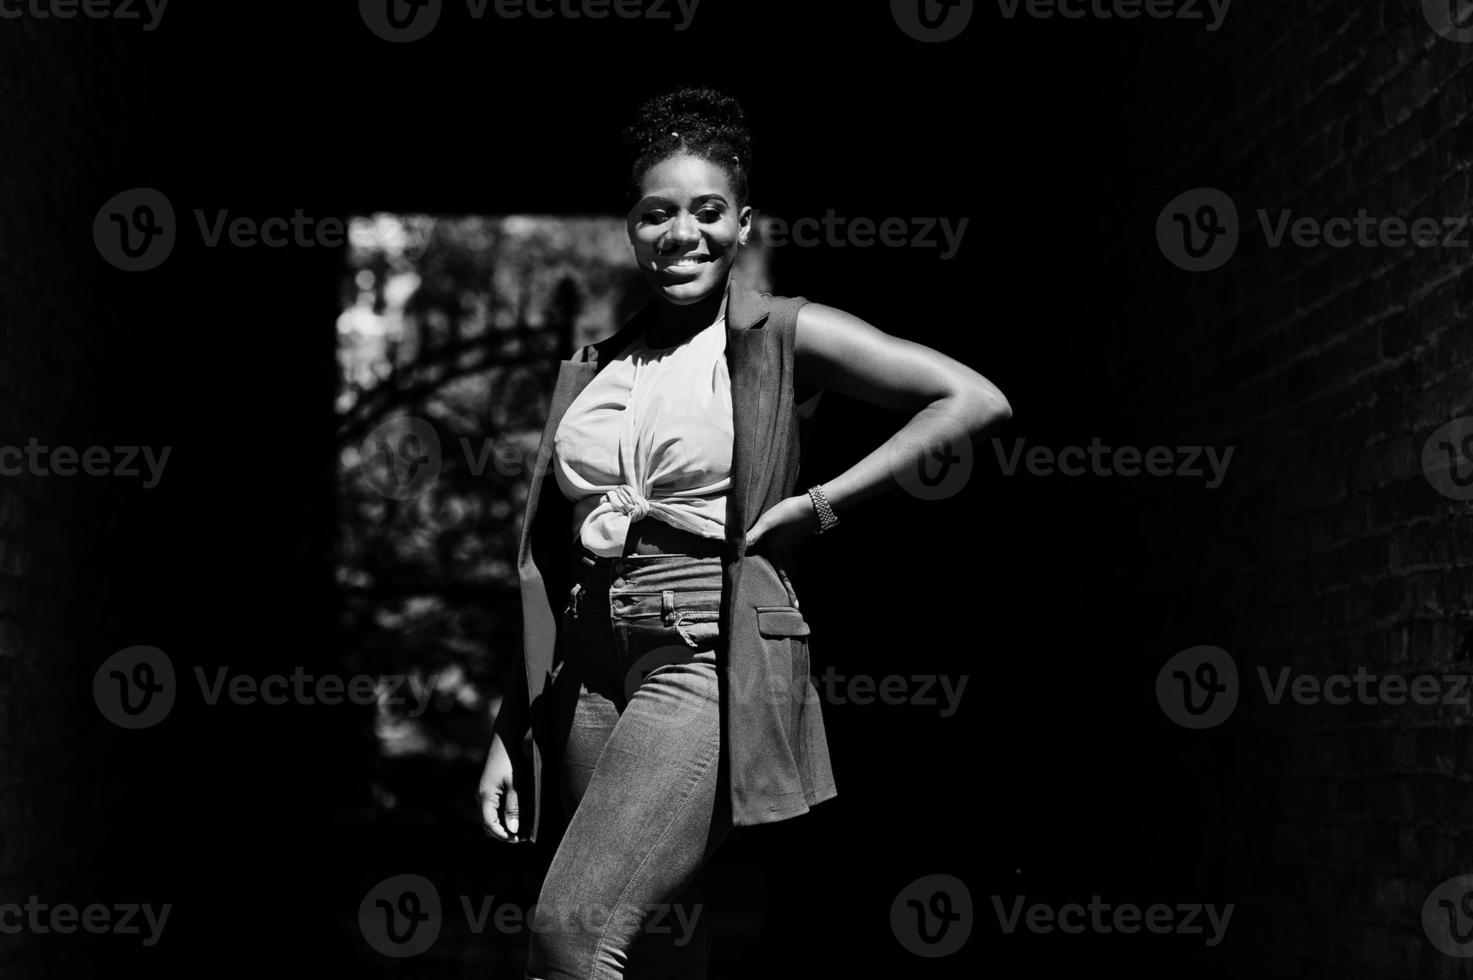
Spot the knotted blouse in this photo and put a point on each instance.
(650, 436)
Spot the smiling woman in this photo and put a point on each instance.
(671, 699)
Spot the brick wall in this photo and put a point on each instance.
(1328, 548)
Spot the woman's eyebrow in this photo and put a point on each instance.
(657, 198)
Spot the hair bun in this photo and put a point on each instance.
(703, 121)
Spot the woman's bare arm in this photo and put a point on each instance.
(945, 398)
(947, 401)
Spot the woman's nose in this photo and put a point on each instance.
(683, 231)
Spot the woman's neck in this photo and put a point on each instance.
(674, 324)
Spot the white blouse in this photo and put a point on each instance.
(650, 436)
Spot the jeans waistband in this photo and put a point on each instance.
(596, 573)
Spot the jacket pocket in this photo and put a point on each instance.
(784, 633)
(776, 621)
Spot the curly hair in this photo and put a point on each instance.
(701, 121)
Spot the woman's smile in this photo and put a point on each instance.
(685, 264)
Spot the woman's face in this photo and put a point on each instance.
(686, 228)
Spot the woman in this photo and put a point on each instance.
(671, 700)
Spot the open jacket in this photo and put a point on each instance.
(774, 759)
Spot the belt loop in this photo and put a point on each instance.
(667, 606)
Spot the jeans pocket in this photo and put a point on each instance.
(697, 630)
(695, 616)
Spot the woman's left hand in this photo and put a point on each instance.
(782, 528)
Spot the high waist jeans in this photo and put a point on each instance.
(635, 702)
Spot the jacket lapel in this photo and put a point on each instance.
(747, 366)
(572, 377)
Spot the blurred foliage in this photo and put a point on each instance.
(459, 322)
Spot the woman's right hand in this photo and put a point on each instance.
(500, 812)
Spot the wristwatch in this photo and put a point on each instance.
(826, 516)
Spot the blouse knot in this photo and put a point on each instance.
(628, 501)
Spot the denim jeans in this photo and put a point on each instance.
(636, 712)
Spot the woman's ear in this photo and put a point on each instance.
(746, 222)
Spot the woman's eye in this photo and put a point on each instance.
(655, 217)
(709, 214)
